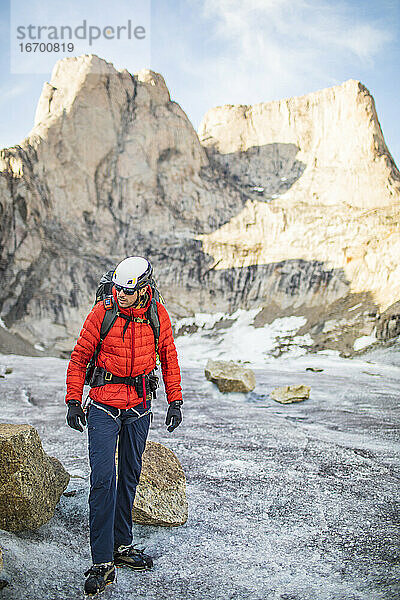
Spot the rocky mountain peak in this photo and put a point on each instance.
(292, 203)
(334, 134)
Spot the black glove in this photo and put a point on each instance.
(75, 414)
(174, 415)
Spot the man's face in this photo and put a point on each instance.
(128, 300)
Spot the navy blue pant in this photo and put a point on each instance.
(110, 504)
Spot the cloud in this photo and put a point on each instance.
(285, 26)
(8, 93)
(366, 41)
(270, 49)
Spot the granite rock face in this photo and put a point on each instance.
(294, 202)
(320, 146)
(230, 376)
(321, 185)
(161, 494)
(112, 168)
(31, 482)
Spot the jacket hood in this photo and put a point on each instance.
(134, 312)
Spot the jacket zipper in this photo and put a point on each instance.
(133, 355)
(144, 374)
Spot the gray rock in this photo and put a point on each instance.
(31, 482)
(291, 393)
(230, 376)
(161, 494)
(388, 325)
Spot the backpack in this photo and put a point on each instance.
(104, 294)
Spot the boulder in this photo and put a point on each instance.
(229, 376)
(161, 494)
(31, 482)
(291, 393)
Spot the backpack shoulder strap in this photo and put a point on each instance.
(110, 316)
(154, 320)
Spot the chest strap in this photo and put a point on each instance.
(129, 319)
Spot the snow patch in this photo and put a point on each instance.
(260, 344)
(355, 306)
(364, 341)
(328, 352)
(202, 320)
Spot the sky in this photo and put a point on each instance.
(214, 52)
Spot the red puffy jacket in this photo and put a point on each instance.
(129, 355)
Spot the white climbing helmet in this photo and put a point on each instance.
(133, 273)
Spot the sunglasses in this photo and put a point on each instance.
(127, 291)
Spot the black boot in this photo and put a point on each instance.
(129, 556)
(98, 576)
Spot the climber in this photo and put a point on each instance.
(122, 387)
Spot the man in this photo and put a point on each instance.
(120, 412)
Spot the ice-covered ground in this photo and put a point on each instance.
(295, 502)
